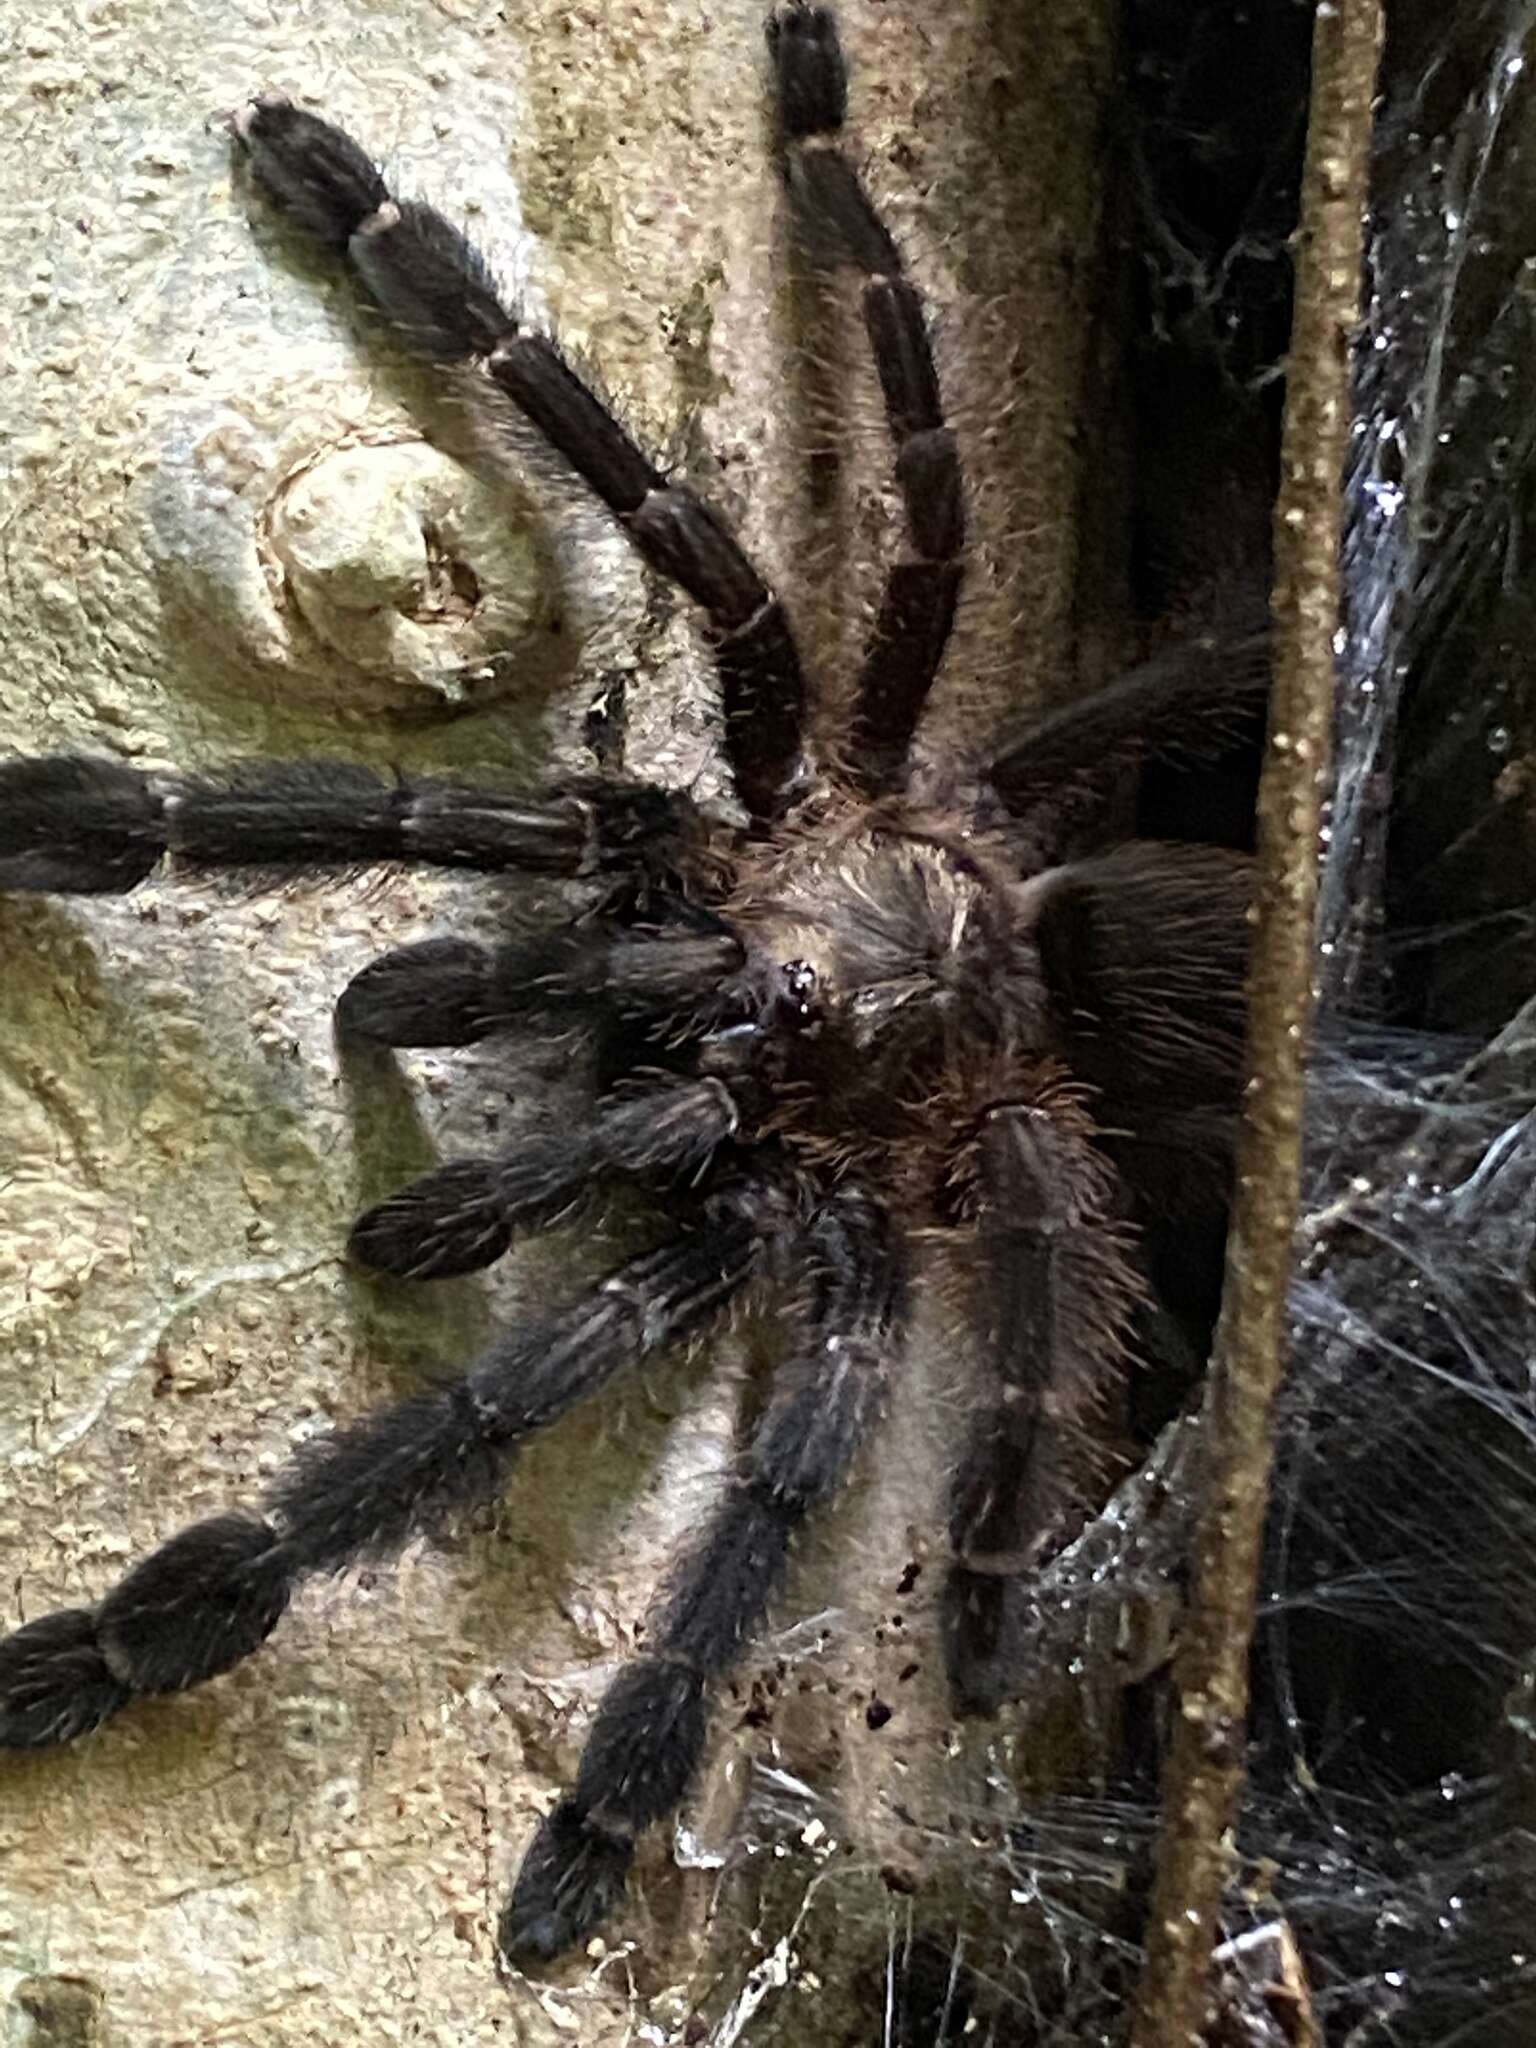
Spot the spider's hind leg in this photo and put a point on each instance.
(651, 1726)
(211, 1595)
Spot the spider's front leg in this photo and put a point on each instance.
(651, 1726)
(212, 1594)
(605, 968)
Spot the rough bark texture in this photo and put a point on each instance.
(206, 453)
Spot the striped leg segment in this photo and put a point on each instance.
(917, 610)
(83, 825)
(1056, 1292)
(462, 1216)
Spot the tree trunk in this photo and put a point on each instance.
(210, 449)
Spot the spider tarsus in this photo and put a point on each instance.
(313, 170)
(437, 992)
(77, 824)
(637, 1764)
(812, 76)
(448, 1222)
(196, 1606)
(571, 1879)
(55, 1684)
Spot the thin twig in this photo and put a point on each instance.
(1205, 1763)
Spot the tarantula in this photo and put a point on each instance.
(899, 1004)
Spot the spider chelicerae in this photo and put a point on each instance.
(905, 1004)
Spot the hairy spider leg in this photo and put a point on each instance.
(462, 1216)
(1187, 705)
(212, 1594)
(1057, 1289)
(76, 824)
(436, 286)
(834, 212)
(650, 1729)
(456, 992)
(1145, 948)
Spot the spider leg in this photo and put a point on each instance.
(650, 1728)
(462, 1216)
(1057, 1292)
(79, 824)
(435, 285)
(1145, 950)
(214, 1592)
(1186, 706)
(912, 627)
(454, 992)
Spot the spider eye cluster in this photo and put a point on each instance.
(799, 989)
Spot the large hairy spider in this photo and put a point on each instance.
(901, 1004)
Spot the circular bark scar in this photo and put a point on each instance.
(404, 563)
